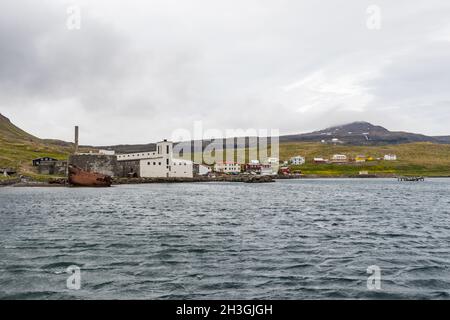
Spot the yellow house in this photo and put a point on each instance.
(360, 159)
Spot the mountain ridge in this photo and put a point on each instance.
(363, 133)
(353, 133)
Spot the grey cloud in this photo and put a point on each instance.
(137, 71)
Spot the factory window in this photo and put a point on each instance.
(167, 161)
(160, 163)
(154, 163)
(167, 149)
(148, 163)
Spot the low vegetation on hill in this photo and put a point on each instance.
(18, 149)
(422, 158)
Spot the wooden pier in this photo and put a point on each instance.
(411, 179)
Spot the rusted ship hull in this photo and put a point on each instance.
(81, 178)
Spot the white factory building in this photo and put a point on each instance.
(160, 163)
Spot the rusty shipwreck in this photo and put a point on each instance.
(81, 178)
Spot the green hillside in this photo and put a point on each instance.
(427, 159)
(18, 148)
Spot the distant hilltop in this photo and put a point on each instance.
(362, 133)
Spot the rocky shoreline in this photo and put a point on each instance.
(230, 178)
(62, 182)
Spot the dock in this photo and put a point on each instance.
(411, 179)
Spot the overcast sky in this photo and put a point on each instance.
(138, 70)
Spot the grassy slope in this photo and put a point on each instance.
(426, 159)
(18, 149)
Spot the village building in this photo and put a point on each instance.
(36, 162)
(339, 158)
(259, 168)
(201, 169)
(182, 168)
(390, 157)
(297, 160)
(107, 152)
(360, 158)
(285, 171)
(95, 162)
(320, 160)
(53, 168)
(50, 166)
(227, 167)
(157, 164)
(267, 170)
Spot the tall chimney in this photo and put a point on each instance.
(76, 139)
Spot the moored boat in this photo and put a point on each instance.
(83, 178)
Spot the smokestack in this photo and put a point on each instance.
(76, 139)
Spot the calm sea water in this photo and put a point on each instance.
(292, 239)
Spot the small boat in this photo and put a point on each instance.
(82, 178)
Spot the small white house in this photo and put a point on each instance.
(297, 160)
(339, 158)
(227, 167)
(107, 152)
(390, 157)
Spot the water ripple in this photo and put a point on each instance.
(287, 240)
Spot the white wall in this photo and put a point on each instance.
(203, 170)
(182, 168)
(160, 164)
(154, 168)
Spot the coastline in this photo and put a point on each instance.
(227, 178)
